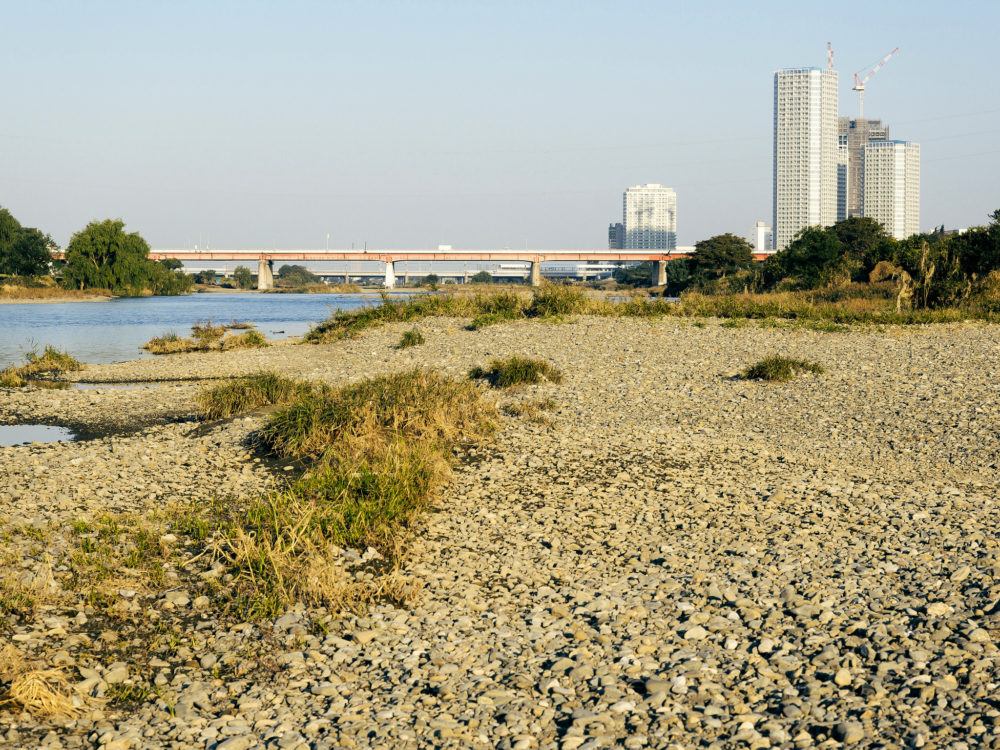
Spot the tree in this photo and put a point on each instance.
(24, 251)
(431, 278)
(482, 277)
(103, 256)
(171, 264)
(205, 276)
(294, 275)
(863, 243)
(638, 275)
(243, 277)
(811, 259)
(719, 255)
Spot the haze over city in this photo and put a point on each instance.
(480, 125)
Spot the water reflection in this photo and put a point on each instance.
(24, 434)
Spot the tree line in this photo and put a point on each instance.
(102, 255)
(932, 269)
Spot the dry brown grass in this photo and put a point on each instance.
(43, 693)
(19, 292)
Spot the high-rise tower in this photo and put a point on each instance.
(891, 186)
(805, 151)
(650, 213)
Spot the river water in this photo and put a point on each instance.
(113, 331)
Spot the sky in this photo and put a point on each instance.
(479, 124)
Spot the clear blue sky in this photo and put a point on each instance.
(477, 124)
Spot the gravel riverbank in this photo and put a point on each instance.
(673, 557)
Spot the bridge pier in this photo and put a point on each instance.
(660, 273)
(265, 274)
(536, 273)
(390, 275)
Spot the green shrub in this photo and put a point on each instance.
(413, 337)
(779, 369)
(504, 373)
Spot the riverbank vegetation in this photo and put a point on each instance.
(205, 337)
(245, 394)
(854, 258)
(38, 369)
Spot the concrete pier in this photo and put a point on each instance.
(390, 275)
(265, 274)
(660, 273)
(536, 273)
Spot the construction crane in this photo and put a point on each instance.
(859, 83)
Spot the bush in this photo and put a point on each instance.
(481, 277)
(504, 373)
(413, 337)
(779, 369)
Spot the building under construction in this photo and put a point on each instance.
(852, 137)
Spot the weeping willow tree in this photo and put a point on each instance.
(103, 255)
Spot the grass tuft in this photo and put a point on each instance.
(248, 340)
(413, 337)
(244, 394)
(40, 692)
(780, 369)
(505, 373)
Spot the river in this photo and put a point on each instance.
(113, 331)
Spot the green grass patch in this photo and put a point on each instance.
(416, 405)
(379, 450)
(505, 373)
(244, 394)
(206, 336)
(780, 369)
(413, 337)
(248, 340)
(37, 366)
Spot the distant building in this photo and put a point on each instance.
(852, 137)
(761, 237)
(890, 186)
(650, 217)
(616, 236)
(842, 177)
(805, 151)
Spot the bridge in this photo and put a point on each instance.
(266, 258)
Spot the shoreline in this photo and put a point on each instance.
(44, 300)
(664, 539)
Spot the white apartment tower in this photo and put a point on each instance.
(805, 151)
(890, 186)
(761, 237)
(650, 218)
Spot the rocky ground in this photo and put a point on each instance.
(676, 558)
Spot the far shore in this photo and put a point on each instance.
(43, 300)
